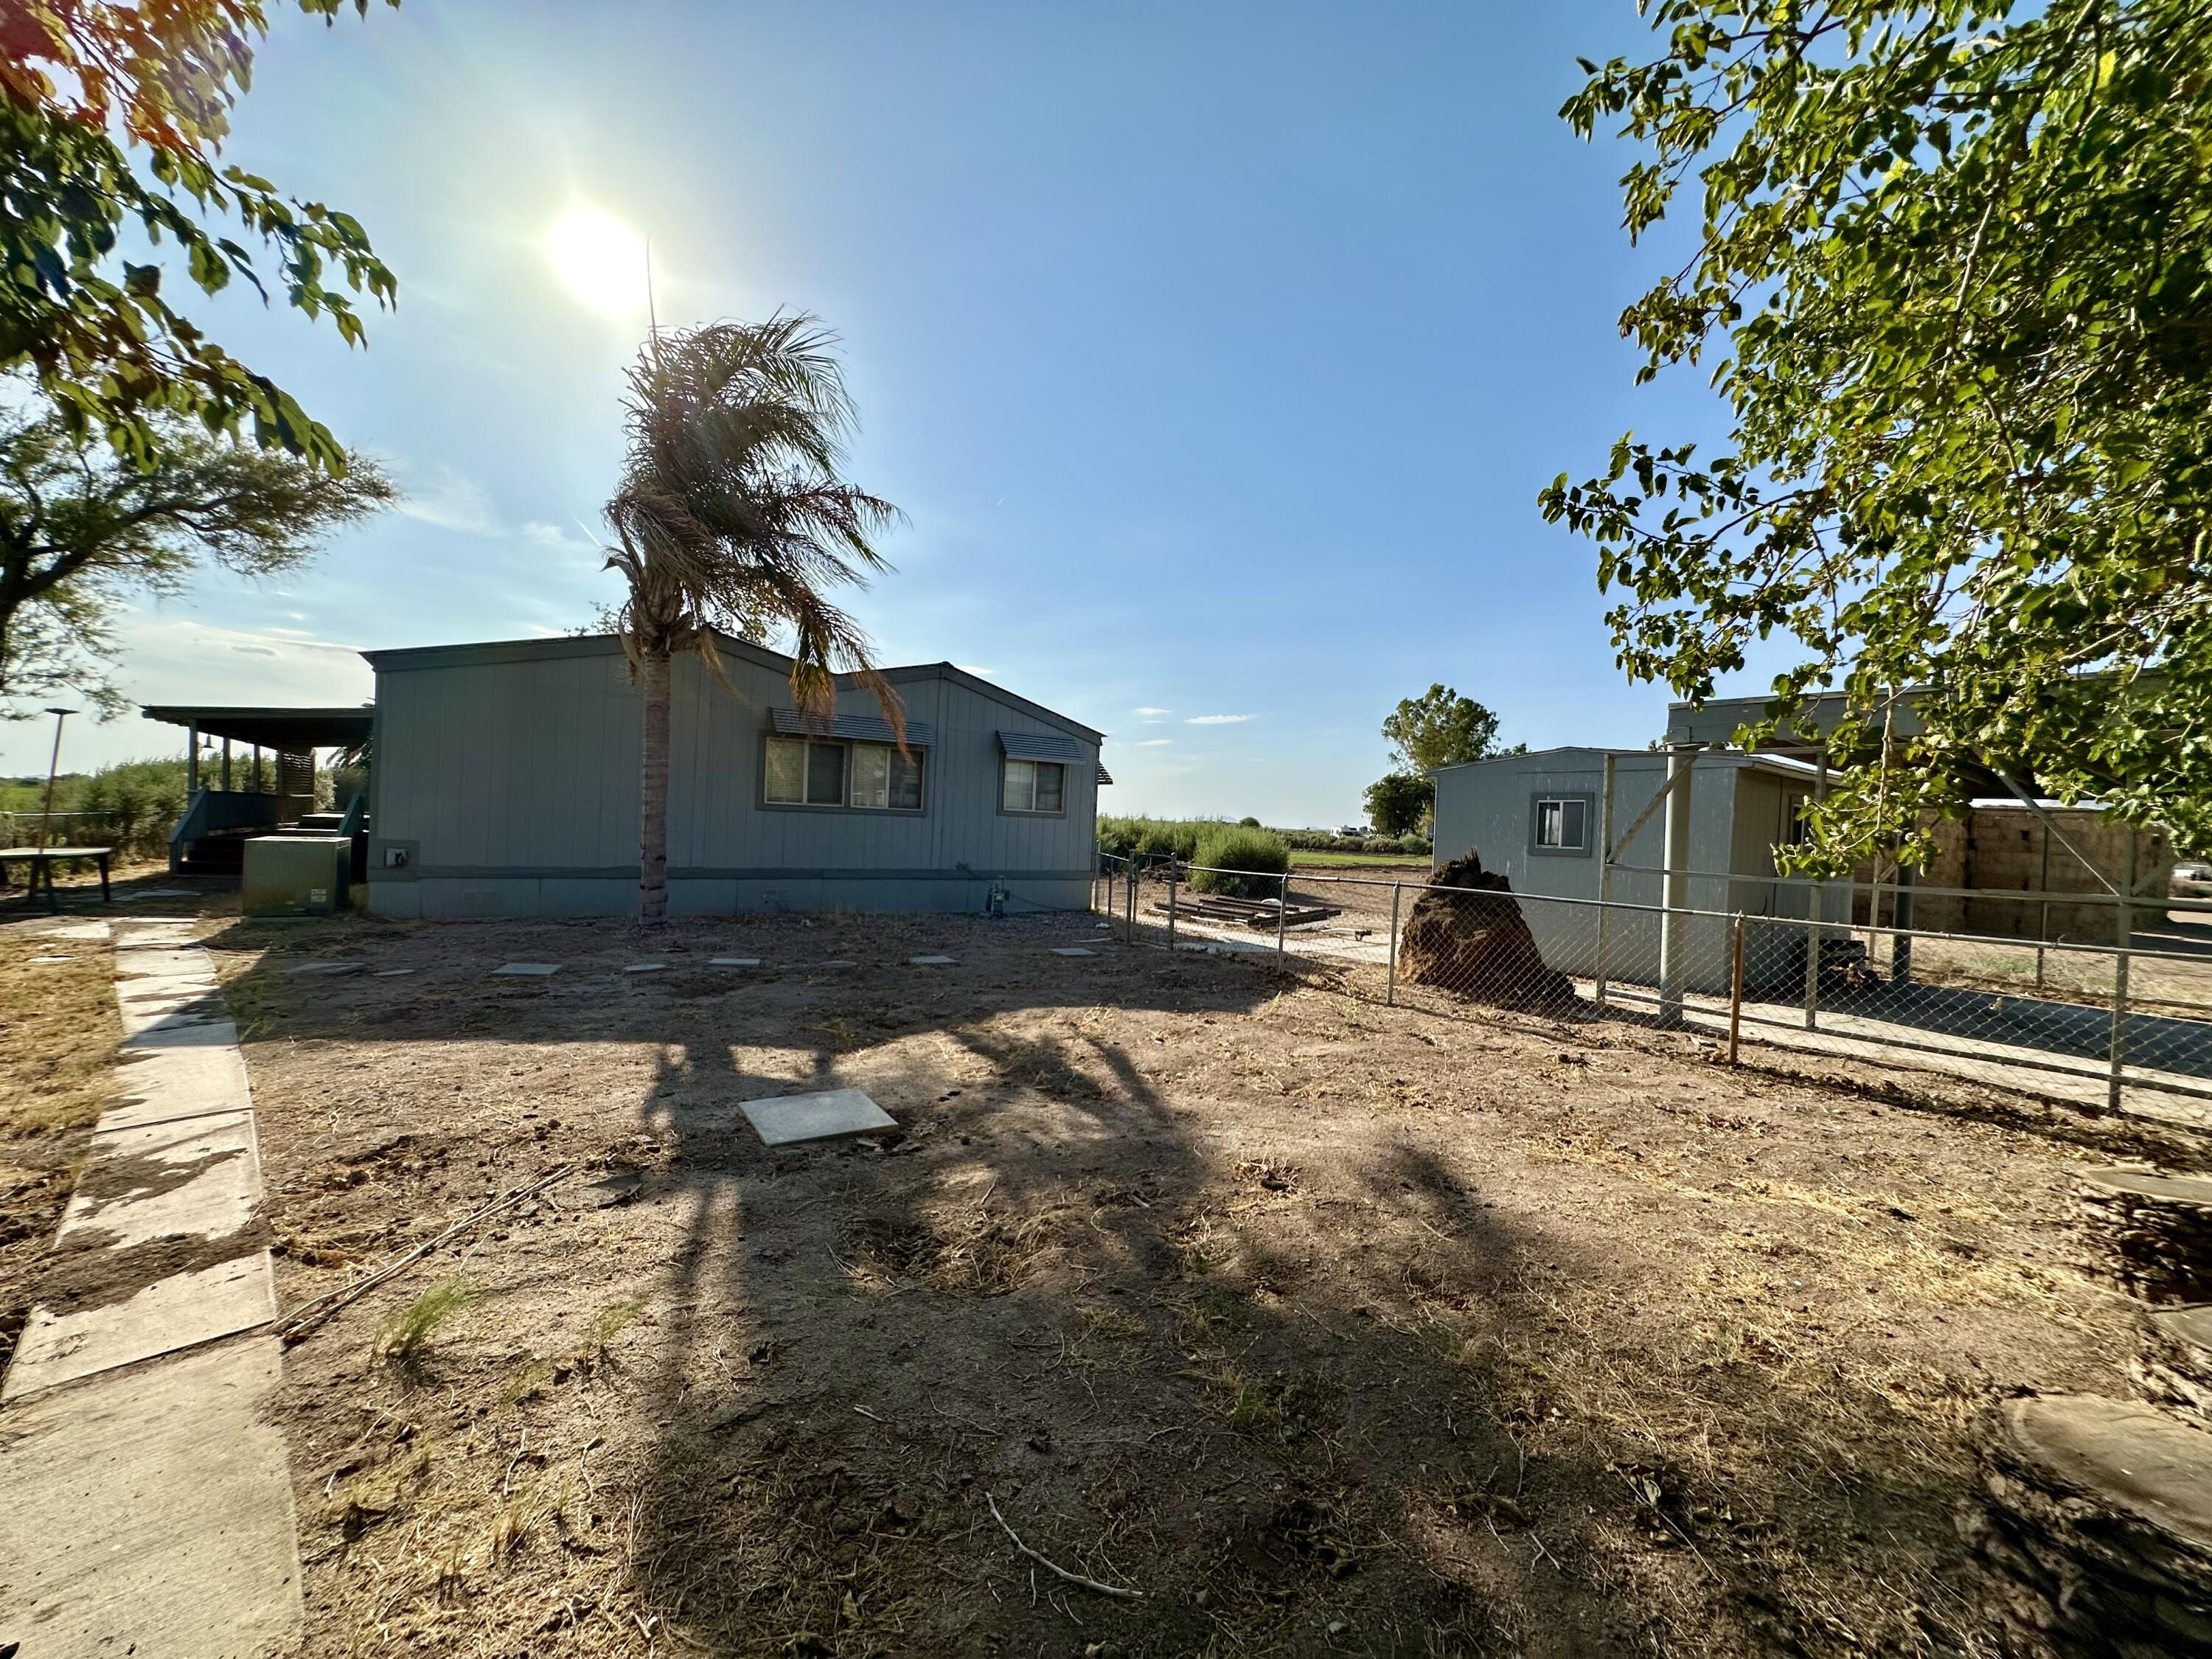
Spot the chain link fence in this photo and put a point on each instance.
(2088, 1021)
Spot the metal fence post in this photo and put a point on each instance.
(1397, 889)
(1129, 916)
(1817, 902)
(1735, 985)
(1173, 864)
(1282, 913)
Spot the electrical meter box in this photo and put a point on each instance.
(296, 875)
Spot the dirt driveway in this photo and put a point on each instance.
(1322, 1327)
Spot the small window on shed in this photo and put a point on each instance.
(1563, 824)
(787, 770)
(825, 774)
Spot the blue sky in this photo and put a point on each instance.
(1216, 353)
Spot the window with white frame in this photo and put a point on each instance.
(1034, 785)
(1563, 824)
(830, 772)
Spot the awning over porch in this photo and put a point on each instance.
(1806, 737)
(288, 731)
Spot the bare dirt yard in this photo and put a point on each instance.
(1309, 1325)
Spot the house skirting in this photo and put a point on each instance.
(433, 892)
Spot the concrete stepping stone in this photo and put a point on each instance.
(393, 973)
(75, 930)
(180, 1311)
(168, 1084)
(49, 961)
(2100, 1514)
(2151, 1232)
(794, 1119)
(298, 968)
(526, 971)
(155, 892)
(208, 1034)
(199, 1177)
(2175, 1366)
(149, 1512)
(733, 961)
(647, 968)
(929, 961)
(1073, 950)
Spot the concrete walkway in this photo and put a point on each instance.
(149, 1508)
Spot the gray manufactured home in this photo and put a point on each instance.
(1538, 818)
(504, 782)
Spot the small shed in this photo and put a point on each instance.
(1540, 819)
(504, 782)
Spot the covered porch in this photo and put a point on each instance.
(224, 810)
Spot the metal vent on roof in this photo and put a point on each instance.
(1036, 745)
(1104, 776)
(855, 728)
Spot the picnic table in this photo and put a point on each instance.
(44, 859)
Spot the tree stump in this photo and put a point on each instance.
(2097, 1515)
(2151, 1232)
(2174, 1369)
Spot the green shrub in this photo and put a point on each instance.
(1149, 838)
(1248, 823)
(1256, 856)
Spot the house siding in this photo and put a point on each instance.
(510, 778)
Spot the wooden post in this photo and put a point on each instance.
(1604, 876)
(192, 760)
(1397, 889)
(1282, 913)
(1816, 901)
(1735, 986)
(225, 766)
(1173, 863)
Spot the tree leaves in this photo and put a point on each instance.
(1955, 258)
(84, 88)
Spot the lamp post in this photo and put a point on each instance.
(46, 818)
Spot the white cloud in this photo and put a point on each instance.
(1217, 720)
(1151, 743)
(452, 502)
(970, 668)
(1153, 713)
(255, 650)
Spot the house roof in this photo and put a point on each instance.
(599, 645)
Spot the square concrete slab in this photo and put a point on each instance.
(1073, 950)
(929, 961)
(155, 892)
(792, 1120)
(526, 971)
(163, 1086)
(46, 962)
(733, 961)
(177, 1312)
(324, 968)
(212, 1034)
(201, 1176)
(647, 968)
(76, 930)
(149, 1512)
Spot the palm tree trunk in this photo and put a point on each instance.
(653, 793)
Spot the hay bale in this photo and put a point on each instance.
(2097, 1515)
(2151, 1232)
(1477, 944)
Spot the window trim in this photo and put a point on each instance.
(1066, 791)
(920, 753)
(1539, 798)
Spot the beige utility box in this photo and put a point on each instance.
(296, 875)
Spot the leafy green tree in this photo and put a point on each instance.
(111, 123)
(731, 515)
(1401, 803)
(1440, 728)
(81, 530)
(1954, 282)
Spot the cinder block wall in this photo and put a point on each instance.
(2000, 849)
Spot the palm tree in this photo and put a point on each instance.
(730, 515)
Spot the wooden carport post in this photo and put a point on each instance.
(1681, 759)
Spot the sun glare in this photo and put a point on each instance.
(600, 259)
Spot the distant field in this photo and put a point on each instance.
(1359, 860)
